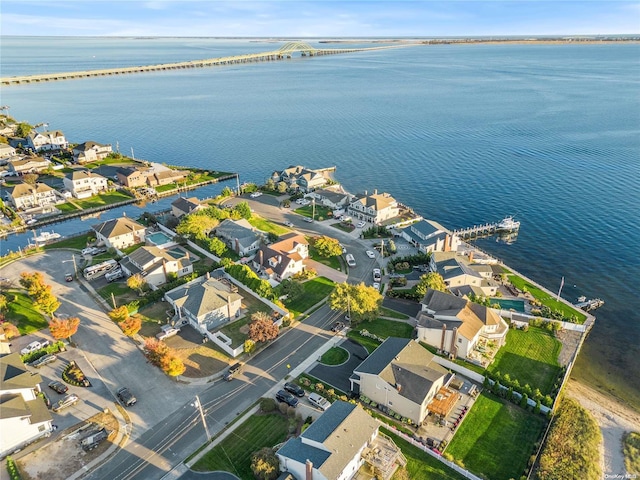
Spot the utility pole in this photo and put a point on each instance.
(198, 405)
(113, 299)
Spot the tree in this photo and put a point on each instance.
(172, 365)
(216, 246)
(265, 464)
(10, 330)
(119, 314)
(292, 289)
(243, 210)
(282, 187)
(3, 302)
(431, 280)
(23, 130)
(46, 301)
(30, 178)
(196, 225)
(131, 325)
(249, 346)
(64, 327)
(136, 282)
(262, 328)
(155, 350)
(32, 282)
(327, 246)
(226, 192)
(362, 301)
(270, 184)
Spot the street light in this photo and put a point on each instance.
(198, 405)
(75, 266)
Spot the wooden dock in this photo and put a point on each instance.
(485, 230)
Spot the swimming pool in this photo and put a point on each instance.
(158, 238)
(517, 305)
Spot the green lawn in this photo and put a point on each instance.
(334, 356)
(421, 465)
(267, 226)
(332, 262)
(322, 213)
(546, 299)
(166, 188)
(387, 312)
(233, 454)
(344, 227)
(121, 292)
(21, 313)
(369, 343)
(104, 199)
(232, 331)
(382, 328)
(497, 438)
(78, 243)
(531, 357)
(315, 290)
(66, 207)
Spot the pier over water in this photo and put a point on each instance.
(287, 51)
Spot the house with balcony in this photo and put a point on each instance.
(331, 197)
(429, 236)
(46, 141)
(119, 233)
(133, 177)
(28, 165)
(282, 259)
(24, 196)
(155, 265)
(184, 206)
(239, 235)
(166, 176)
(401, 376)
(301, 178)
(90, 152)
(207, 303)
(338, 444)
(85, 183)
(462, 276)
(24, 417)
(458, 327)
(373, 209)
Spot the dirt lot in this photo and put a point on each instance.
(64, 457)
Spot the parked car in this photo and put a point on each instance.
(114, 275)
(289, 224)
(255, 194)
(87, 251)
(319, 401)
(286, 397)
(167, 331)
(68, 277)
(67, 401)
(58, 387)
(33, 346)
(308, 219)
(294, 389)
(126, 397)
(376, 285)
(233, 371)
(361, 224)
(376, 275)
(370, 254)
(42, 361)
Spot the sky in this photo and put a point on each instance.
(319, 18)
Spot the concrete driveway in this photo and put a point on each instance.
(338, 375)
(115, 357)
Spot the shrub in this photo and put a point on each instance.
(53, 348)
(267, 404)
(12, 468)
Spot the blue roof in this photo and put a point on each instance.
(328, 421)
(424, 228)
(301, 452)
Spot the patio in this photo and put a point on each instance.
(382, 457)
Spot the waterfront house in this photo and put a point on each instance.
(301, 178)
(331, 197)
(402, 376)
(133, 177)
(184, 206)
(46, 141)
(283, 258)
(24, 416)
(90, 152)
(458, 270)
(206, 303)
(429, 236)
(84, 183)
(24, 196)
(338, 444)
(455, 326)
(155, 265)
(6, 151)
(28, 165)
(119, 233)
(165, 177)
(239, 235)
(373, 209)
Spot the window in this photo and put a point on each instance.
(459, 340)
(41, 428)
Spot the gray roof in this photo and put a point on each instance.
(414, 381)
(320, 430)
(14, 375)
(149, 255)
(116, 227)
(441, 301)
(83, 147)
(425, 227)
(186, 205)
(202, 295)
(301, 452)
(241, 230)
(382, 356)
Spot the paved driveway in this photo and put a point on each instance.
(338, 375)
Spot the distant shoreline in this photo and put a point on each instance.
(471, 41)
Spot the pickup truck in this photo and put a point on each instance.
(167, 331)
(233, 370)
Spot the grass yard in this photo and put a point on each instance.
(252, 304)
(66, 207)
(78, 243)
(233, 454)
(387, 328)
(334, 356)
(345, 227)
(497, 438)
(531, 357)
(332, 262)
(121, 292)
(421, 465)
(267, 226)
(21, 313)
(104, 199)
(315, 290)
(232, 331)
(387, 312)
(546, 298)
(322, 213)
(369, 343)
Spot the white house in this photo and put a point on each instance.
(429, 236)
(302, 178)
(6, 151)
(337, 445)
(119, 233)
(206, 303)
(239, 235)
(462, 276)
(373, 209)
(23, 415)
(84, 183)
(155, 264)
(24, 196)
(402, 376)
(331, 197)
(282, 259)
(28, 165)
(90, 152)
(53, 140)
(454, 325)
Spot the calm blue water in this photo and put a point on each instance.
(464, 134)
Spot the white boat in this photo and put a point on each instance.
(588, 305)
(508, 224)
(46, 237)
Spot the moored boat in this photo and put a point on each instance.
(508, 224)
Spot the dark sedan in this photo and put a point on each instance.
(58, 387)
(295, 389)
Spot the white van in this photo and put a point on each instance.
(319, 401)
(350, 260)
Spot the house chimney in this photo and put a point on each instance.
(308, 470)
(447, 243)
(237, 245)
(399, 387)
(444, 332)
(260, 258)
(208, 275)
(229, 306)
(454, 337)
(279, 258)
(471, 256)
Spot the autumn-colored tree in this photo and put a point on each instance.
(156, 350)
(361, 301)
(10, 330)
(431, 280)
(172, 365)
(131, 325)
(249, 346)
(327, 246)
(30, 178)
(136, 282)
(119, 314)
(63, 327)
(32, 282)
(282, 187)
(3, 302)
(46, 301)
(262, 328)
(265, 464)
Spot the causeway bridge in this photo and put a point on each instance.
(287, 51)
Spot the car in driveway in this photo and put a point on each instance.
(167, 331)
(88, 251)
(294, 389)
(319, 401)
(44, 360)
(59, 387)
(126, 397)
(67, 401)
(285, 397)
(376, 285)
(114, 275)
(371, 254)
(34, 346)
